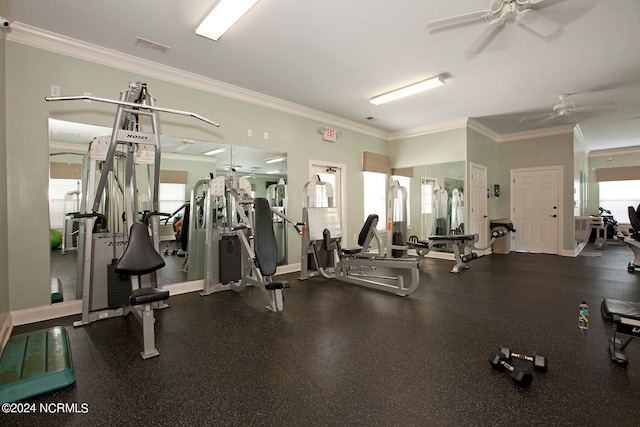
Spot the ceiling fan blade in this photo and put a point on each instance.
(535, 117)
(594, 107)
(181, 148)
(488, 31)
(537, 23)
(445, 22)
(545, 121)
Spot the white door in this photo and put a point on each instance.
(536, 209)
(478, 202)
(332, 173)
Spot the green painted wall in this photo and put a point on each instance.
(535, 152)
(438, 147)
(27, 84)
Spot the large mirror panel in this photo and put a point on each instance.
(185, 164)
(436, 199)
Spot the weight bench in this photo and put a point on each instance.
(140, 258)
(625, 316)
(458, 242)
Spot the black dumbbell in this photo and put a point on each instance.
(521, 377)
(469, 257)
(539, 362)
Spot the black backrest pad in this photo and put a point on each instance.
(633, 218)
(372, 221)
(265, 240)
(139, 256)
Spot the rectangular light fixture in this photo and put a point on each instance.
(222, 17)
(273, 172)
(276, 159)
(408, 90)
(212, 152)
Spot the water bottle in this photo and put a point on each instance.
(583, 318)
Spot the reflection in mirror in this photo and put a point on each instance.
(436, 199)
(184, 163)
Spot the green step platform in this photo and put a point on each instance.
(56, 291)
(34, 363)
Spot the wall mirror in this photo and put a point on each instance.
(436, 200)
(184, 164)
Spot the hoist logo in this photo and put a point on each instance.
(137, 136)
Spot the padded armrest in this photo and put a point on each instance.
(352, 251)
(147, 295)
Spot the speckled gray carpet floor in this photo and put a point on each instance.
(342, 355)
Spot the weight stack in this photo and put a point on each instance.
(398, 240)
(230, 258)
(118, 288)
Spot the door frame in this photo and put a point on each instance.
(512, 208)
(343, 188)
(484, 238)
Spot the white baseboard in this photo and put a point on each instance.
(71, 308)
(48, 312)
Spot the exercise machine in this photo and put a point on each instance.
(240, 247)
(389, 268)
(463, 245)
(276, 194)
(633, 238)
(115, 201)
(70, 226)
(625, 316)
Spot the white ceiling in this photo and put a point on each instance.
(333, 55)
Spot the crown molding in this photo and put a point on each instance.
(519, 136)
(53, 42)
(425, 130)
(615, 152)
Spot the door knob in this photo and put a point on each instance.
(553, 216)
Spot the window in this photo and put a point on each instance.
(375, 196)
(171, 196)
(617, 196)
(61, 201)
(426, 192)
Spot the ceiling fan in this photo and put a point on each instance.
(499, 12)
(186, 143)
(564, 108)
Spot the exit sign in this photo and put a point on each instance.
(329, 134)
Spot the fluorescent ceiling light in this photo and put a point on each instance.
(212, 152)
(273, 172)
(407, 90)
(222, 17)
(276, 159)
